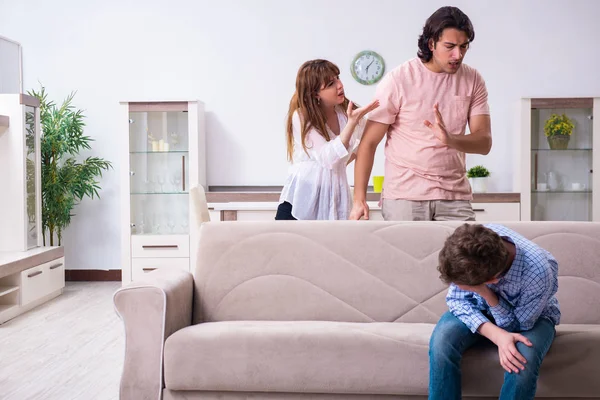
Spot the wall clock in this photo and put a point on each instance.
(367, 67)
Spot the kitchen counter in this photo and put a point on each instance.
(240, 194)
(262, 206)
(265, 210)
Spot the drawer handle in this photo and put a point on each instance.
(148, 269)
(56, 266)
(160, 246)
(479, 209)
(36, 273)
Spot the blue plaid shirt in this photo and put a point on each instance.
(525, 293)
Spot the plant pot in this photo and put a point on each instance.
(559, 142)
(479, 185)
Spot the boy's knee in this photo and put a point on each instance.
(531, 354)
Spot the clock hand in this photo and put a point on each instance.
(369, 65)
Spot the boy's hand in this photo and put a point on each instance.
(510, 358)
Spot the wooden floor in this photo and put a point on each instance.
(69, 348)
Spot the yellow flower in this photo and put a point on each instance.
(558, 125)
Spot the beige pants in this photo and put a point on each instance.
(430, 210)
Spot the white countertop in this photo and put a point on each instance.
(262, 206)
(8, 257)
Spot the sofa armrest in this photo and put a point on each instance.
(152, 309)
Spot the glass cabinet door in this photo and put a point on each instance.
(159, 172)
(561, 168)
(31, 182)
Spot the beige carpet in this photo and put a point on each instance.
(69, 348)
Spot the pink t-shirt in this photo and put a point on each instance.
(417, 165)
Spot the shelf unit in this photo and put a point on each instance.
(560, 184)
(164, 155)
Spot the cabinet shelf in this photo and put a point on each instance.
(565, 150)
(7, 307)
(562, 191)
(158, 193)
(4, 290)
(160, 152)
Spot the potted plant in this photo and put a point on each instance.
(478, 176)
(66, 180)
(558, 130)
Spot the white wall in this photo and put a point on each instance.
(240, 57)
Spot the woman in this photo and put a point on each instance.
(323, 131)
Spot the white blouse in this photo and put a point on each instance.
(317, 186)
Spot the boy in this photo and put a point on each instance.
(502, 287)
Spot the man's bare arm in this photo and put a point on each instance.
(372, 136)
(365, 155)
(480, 139)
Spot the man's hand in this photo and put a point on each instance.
(359, 209)
(438, 129)
(510, 358)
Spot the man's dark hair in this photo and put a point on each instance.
(472, 255)
(445, 17)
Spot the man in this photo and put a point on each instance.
(425, 105)
(502, 288)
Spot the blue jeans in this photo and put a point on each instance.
(451, 337)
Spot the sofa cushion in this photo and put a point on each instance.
(356, 271)
(361, 358)
(319, 357)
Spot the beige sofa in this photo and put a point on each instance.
(335, 310)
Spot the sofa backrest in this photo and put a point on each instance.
(364, 271)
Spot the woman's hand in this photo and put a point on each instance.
(356, 115)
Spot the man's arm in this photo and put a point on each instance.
(479, 141)
(365, 155)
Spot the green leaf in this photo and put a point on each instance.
(478, 171)
(65, 180)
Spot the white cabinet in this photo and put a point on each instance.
(557, 173)
(42, 280)
(20, 177)
(29, 278)
(497, 212)
(141, 266)
(164, 155)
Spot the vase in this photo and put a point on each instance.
(479, 185)
(559, 142)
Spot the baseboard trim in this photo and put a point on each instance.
(92, 275)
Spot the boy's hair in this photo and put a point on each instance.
(445, 17)
(472, 255)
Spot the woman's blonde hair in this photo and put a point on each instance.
(311, 76)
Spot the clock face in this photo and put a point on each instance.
(367, 67)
